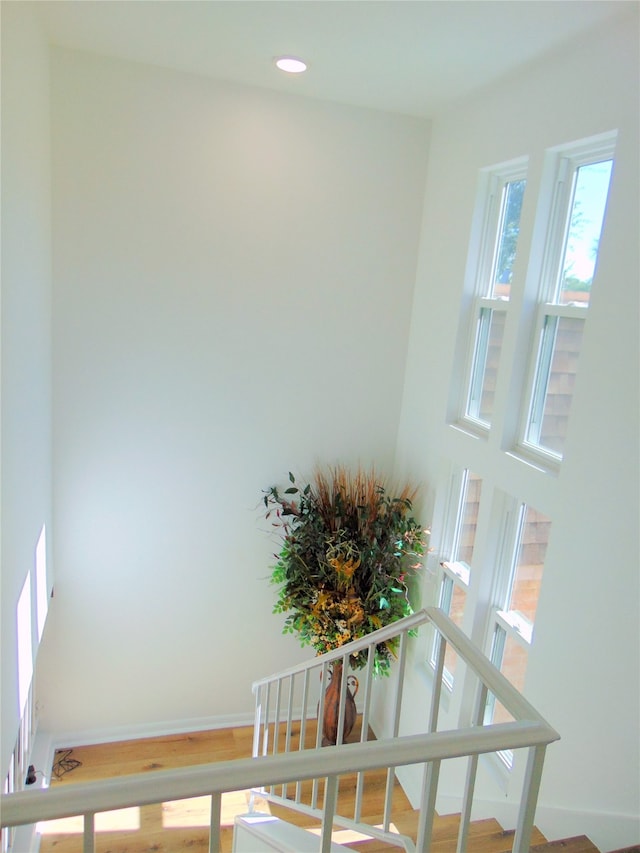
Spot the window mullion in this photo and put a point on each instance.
(498, 640)
(479, 362)
(497, 644)
(487, 245)
(446, 593)
(513, 558)
(459, 517)
(556, 235)
(541, 381)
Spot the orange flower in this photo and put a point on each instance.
(349, 567)
(321, 602)
(344, 568)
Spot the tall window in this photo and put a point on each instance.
(460, 533)
(42, 592)
(568, 270)
(30, 616)
(25, 646)
(500, 208)
(516, 599)
(528, 419)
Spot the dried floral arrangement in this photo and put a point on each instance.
(350, 544)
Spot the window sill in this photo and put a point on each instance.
(458, 572)
(472, 429)
(540, 461)
(516, 626)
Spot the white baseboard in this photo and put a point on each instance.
(89, 737)
(46, 743)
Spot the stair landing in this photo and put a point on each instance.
(183, 827)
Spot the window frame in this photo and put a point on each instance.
(564, 162)
(452, 573)
(485, 304)
(504, 623)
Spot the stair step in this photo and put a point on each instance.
(579, 844)
(485, 836)
(446, 826)
(446, 830)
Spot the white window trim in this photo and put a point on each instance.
(564, 161)
(498, 176)
(456, 572)
(495, 179)
(514, 511)
(504, 624)
(516, 626)
(538, 381)
(458, 575)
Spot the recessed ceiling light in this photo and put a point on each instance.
(291, 64)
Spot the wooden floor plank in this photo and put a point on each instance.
(183, 827)
(579, 844)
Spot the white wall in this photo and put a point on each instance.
(583, 669)
(26, 357)
(233, 275)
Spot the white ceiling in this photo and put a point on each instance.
(407, 56)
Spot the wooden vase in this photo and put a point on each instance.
(332, 706)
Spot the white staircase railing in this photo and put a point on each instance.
(279, 763)
(286, 703)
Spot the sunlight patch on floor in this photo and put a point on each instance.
(197, 811)
(120, 820)
(193, 812)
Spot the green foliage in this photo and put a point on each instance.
(578, 285)
(348, 550)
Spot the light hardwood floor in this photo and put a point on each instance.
(179, 827)
(182, 827)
